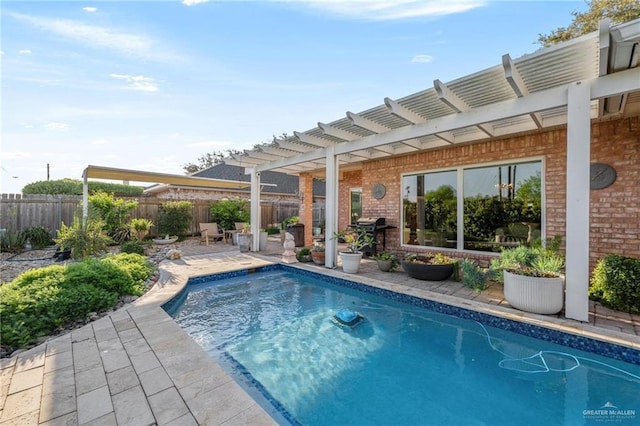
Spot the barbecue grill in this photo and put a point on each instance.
(374, 226)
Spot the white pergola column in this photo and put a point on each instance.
(255, 209)
(331, 212)
(577, 211)
(85, 198)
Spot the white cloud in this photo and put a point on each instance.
(24, 51)
(422, 59)
(193, 2)
(101, 142)
(98, 36)
(56, 126)
(90, 9)
(386, 10)
(137, 82)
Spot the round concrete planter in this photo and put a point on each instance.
(351, 262)
(534, 294)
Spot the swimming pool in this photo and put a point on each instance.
(411, 361)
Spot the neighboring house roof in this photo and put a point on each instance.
(275, 182)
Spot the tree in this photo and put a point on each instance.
(205, 161)
(617, 11)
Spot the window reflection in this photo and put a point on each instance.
(430, 209)
(502, 207)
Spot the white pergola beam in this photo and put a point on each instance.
(292, 146)
(448, 137)
(312, 140)
(365, 123)
(450, 98)
(403, 112)
(519, 87)
(335, 132)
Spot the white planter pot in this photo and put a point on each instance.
(244, 242)
(350, 262)
(534, 294)
(263, 240)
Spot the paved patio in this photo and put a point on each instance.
(137, 367)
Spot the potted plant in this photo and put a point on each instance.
(140, 227)
(429, 266)
(244, 239)
(317, 253)
(355, 239)
(387, 261)
(303, 254)
(533, 279)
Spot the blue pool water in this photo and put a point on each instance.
(404, 364)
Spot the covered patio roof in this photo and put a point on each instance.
(100, 172)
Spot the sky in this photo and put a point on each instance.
(154, 85)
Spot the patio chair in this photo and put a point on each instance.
(211, 231)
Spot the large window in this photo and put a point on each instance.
(502, 207)
(430, 209)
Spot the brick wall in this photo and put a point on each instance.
(615, 211)
(347, 181)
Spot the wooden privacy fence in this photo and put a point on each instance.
(18, 212)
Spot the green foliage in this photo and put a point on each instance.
(41, 300)
(293, 220)
(617, 11)
(530, 261)
(74, 187)
(227, 212)
(132, 247)
(356, 239)
(140, 227)
(174, 217)
(430, 258)
(38, 237)
(272, 230)
(303, 254)
(475, 277)
(616, 283)
(12, 242)
(386, 255)
(482, 216)
(114, 212)
(83, 240)
(440, 209)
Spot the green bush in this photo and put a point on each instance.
(38, 237)
(616, 283)
(227, 212)
(132, 247)
(475, 277)
(83, 240)
(115, 214)
(74, 187)
(174, 217)
(12, 242)
(39, 301)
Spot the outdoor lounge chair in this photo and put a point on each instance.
(211, 231)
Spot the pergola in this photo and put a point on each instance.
(591, 77)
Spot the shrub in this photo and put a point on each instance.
(227, 212)
(40, 300)
(83, 240)
(303, 254)
(132, 247)
(114, 212)
(530, 261)
(174, 217)
(616, 283)
(475, 277)
(12, 242)
(38, 237)
(74, 187)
